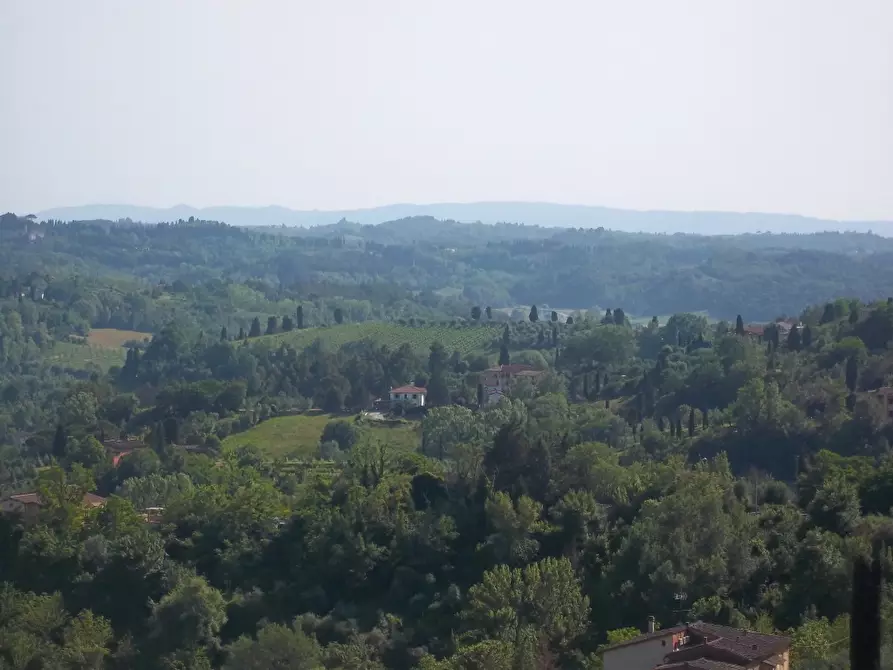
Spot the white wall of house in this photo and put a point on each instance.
(641, 656)
(411, 399)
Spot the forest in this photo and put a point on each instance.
(727, 459)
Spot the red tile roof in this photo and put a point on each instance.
(409, 389)
(715, 647)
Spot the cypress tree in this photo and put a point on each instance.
(504, 358)
(272, 323)
(489, 312)
(506, 336)
(739, 325)
(554, 316)
(224, 336)
(60, 442)
(794, 339)
(608, 318)
(339, 315)
(828, 314)
(691, 422)
(854, 315)
(241, 333)
(852, 373)
(678, 426)
(255, 328)
(807, 337)
(299, 317)
(570, 321)
(534, 315)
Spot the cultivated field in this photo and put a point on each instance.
(112, 337)
(465, 339)
(298, 436)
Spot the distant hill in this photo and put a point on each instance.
(531, 213)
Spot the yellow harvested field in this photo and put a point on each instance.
(112, 337)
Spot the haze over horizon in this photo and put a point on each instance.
(695, 106)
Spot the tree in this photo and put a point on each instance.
(489, 312)
(60, 443)
(339, 315)
(242, 334)
(506, 336)
(739, 325)
(554, 316)
(608, 317)
(480, 395)
(543, 598)
(476, 313)
(504, 358)
(570, 321)
(794, 339)
(619, 317)
(344, 433)
(276, 646)
(852, 373)
(188, 618)
(534, 315)
(691, 422)
(854, 314)
(287, 324)
(828, 314)
(254, 331)
(224, 336)
(807, 337)
(272, 324)
(299, 317)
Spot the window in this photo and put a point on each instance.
(414, 396)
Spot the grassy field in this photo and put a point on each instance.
(83, 356)
(113, 338)
(465, 339)
(298, 436)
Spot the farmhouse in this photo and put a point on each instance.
(27, 505)
(497, 381)
(408, 396)
(699, 646)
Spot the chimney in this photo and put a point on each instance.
(651, 624)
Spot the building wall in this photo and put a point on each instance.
(642, 656)
(28, 512)
(407, 399)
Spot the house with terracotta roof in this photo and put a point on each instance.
(408, 396)
(27, 505)
(699, 646)
(498, 380)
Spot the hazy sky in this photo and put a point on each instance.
(769, 105)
